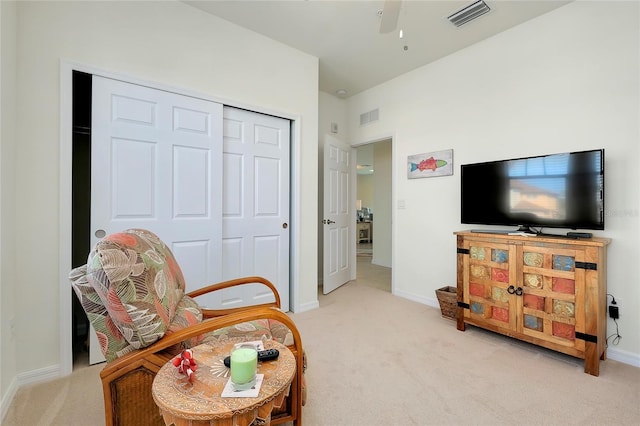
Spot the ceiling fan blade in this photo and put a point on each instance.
(390, 14)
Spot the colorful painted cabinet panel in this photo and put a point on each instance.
(549, 293)
(488, 278)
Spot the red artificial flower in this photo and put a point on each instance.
(185, 363)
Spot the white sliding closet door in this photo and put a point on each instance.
(256, 204)
(215, 190)
(156, 163)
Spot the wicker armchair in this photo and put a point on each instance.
(132, 291)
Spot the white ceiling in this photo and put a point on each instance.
(345, 36)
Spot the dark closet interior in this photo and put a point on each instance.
(81, 204)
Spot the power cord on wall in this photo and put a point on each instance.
(613, 313)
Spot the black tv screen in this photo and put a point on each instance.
(557, 191)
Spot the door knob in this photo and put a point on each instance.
(328, 221)
(285, 225)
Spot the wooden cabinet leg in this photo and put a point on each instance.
(460, 320)
(592, 359)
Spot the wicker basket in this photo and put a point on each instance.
(447, 298)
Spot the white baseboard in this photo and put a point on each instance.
(29, 377)
(7, 399)
(420, 299)
(625, 357)
(308, 307)
(38, 376)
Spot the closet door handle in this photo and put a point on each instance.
(511, 289)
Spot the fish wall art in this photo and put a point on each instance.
(431, 164)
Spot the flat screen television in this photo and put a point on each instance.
(557, 191)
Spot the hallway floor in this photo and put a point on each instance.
(369, 274)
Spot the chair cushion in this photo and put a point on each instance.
(112, 344)
(247, 331)
(280, 332)
(263, 329)
(188, 313)
(139, 282)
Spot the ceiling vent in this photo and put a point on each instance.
(469, 13)
(368, 117)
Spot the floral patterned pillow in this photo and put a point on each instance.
(112, 344)
(139, 282)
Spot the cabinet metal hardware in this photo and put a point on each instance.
(587, 265)
(517, 291)
(586, 337)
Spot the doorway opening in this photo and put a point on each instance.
(374, 212)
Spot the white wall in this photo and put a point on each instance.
(8, 352)
(332, 110)
(568, 80)
(382, 206)
(365, 190)
(166, 42)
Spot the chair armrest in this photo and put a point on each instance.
(212, 324)
(212, 313)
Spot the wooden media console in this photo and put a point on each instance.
(549, 291)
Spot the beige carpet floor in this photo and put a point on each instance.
(376, 359)
(372, 275)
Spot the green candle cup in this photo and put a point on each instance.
(244, 366)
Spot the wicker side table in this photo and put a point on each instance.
(199, 402)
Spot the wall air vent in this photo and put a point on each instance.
(368, 117)
(469, 13)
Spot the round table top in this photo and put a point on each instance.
(201, 399)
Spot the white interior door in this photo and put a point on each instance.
(255, 224)
(339, 218)
(156, 163)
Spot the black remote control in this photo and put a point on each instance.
(266, 355)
